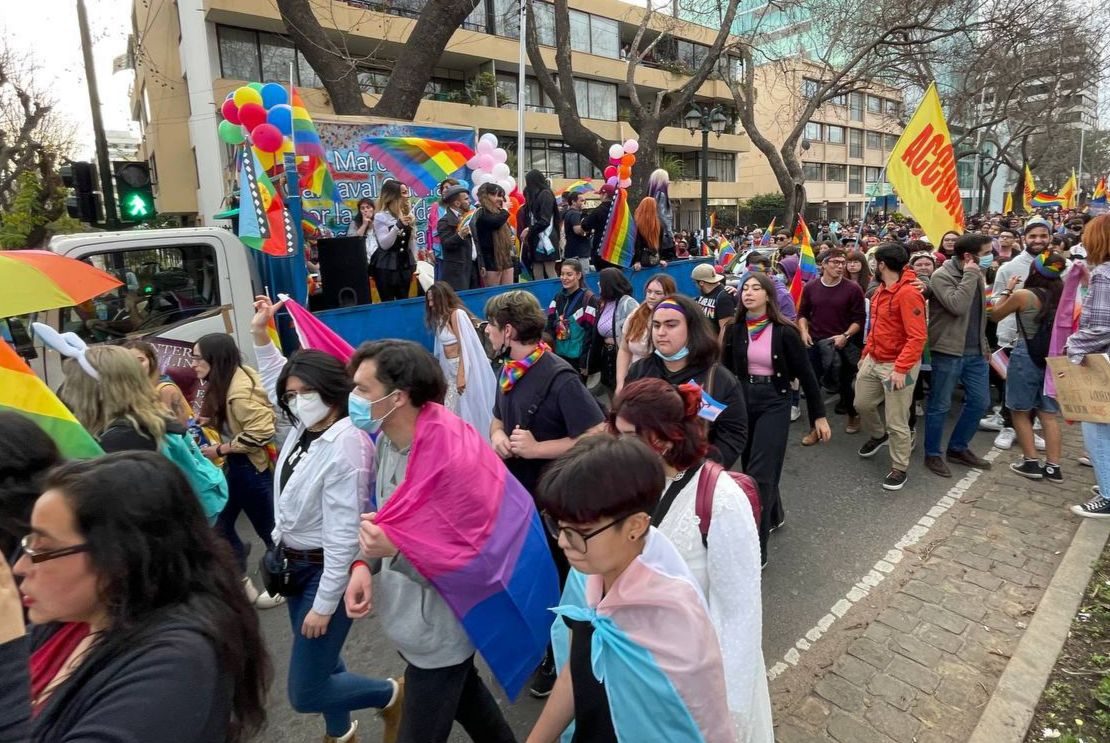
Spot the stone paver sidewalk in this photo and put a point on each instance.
(919, 656)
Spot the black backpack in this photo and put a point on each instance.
(1038, 344)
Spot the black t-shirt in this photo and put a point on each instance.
(719, 305)
(565, 409)
(578, 246)
(593, 722)
(297, 454)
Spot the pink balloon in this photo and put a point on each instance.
(625, 183)
(487, 162)
(499, 155)
(611, 171)
(631, 146)
(230, 111)
(611, 180)
(472, 163)
(485, 146)
(267, 138)
(252, 115)
(614, 161)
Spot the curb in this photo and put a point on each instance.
(1010, 709)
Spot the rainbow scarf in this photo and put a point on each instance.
(513, 371)
(756, 326)
(24, 393)
(619, 239)
(419, 163)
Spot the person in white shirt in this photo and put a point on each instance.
(324, 476)
(726, 560)
(363, 226)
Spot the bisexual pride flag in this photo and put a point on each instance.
(473, 532)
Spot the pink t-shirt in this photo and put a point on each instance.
(759, 354)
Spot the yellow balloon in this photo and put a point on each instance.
(266, 159)
(246, 95)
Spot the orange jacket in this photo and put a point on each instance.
(898, 326)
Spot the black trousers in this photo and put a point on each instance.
(392, 284)
(436, 697)
(846, 381)
(768, 431)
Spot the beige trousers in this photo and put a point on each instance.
(871, 392)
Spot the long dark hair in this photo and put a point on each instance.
(159, 563)
(613, 284)
(445, 301)
(864, 278)
(358, 209)
(26, 453)
(222, 356)
(774, 314)
(700, 340)
(322, 373)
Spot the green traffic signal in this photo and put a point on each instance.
(134, 189)
(137, 207)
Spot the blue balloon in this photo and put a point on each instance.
(281, 116)
(273, 94)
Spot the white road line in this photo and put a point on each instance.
(879, 572)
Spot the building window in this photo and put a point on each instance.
(874, 141)
(579, 31)
(554, 158)
(721, 166)
(813, 131)
(545, 23)
(809, 88)
(855, 143)
(871, 175)
(238, 53)
(836, 173)
(855, 210)
(893, 108)
(855, 179)
(278, 55)
(855, 106)
(874, 105)
(605, 36)
(596, 100)
(840, 100)
(889, 141)
(813, 171)
(835, 134)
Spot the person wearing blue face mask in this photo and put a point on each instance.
(685, 349)
(323, 481)
(960, 353)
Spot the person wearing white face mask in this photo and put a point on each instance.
(324, 476)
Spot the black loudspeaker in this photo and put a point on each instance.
(344, 277)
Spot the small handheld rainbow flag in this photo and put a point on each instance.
(314, 168)
(618, 242)
(769, 234)
(24, 393)
(726, 254)
(1098, 203)
(417, 162)
(579, 187)
(807, 263)
(467, 219)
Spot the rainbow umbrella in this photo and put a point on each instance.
(579, 187)
(36, 280)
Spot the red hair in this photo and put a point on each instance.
(668, 414)
(647, 222)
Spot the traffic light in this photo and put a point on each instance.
(134, 191)
(84, 204)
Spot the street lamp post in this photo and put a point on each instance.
(707, 120)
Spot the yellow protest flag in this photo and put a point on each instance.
(1027, 191)
(1008, 204)
(922, 169)
(1070, 192)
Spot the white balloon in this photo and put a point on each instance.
(501, 170)
(505, 186)
(512, 185)
(482, 177)
(474, 193)
(489, 137)
(499, 155)
(616, 151)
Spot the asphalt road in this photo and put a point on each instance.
(839, 522)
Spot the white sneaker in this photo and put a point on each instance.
(1036, 424)
(1086, 461)
(992, 422)
(1038, 442)
(1005, 438)
(268, 601)
(795, 413)
(347, 737)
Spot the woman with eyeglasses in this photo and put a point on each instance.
(237, 407)
(494, 236)
(627, 595)
(141, 629)
(325, 472)
(725, 559)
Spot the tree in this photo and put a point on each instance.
(337, 66)
(648, 117)
(33, 139)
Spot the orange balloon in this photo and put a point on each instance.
(628, 160)
(624, 171)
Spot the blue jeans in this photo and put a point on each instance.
(248, 491)
(318, 679)
(1096, 437)
(974, 372)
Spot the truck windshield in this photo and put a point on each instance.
(161, 286)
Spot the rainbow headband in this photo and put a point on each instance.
(669, 304)
(1046, 270)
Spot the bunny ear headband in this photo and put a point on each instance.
(67, 344)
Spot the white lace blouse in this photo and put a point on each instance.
(728, 572)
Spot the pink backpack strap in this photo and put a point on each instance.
(703, 504)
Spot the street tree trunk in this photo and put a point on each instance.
(332, 65)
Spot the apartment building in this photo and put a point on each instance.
(191, 53)
(845, 144)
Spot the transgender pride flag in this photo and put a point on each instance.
(473, 532)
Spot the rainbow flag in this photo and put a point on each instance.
(1098, 202)
(313, 169)
(1042, 199)
(579, 187)
(272, 332)
(619, 239)
(24, 393)
(466, 219)
(769, 235)
(421, 164)
(471, 529)
(807, 263)
(726, 254)
(1100, 190)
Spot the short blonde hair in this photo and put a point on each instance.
(123, 391)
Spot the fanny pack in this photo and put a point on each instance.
(279, 578)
